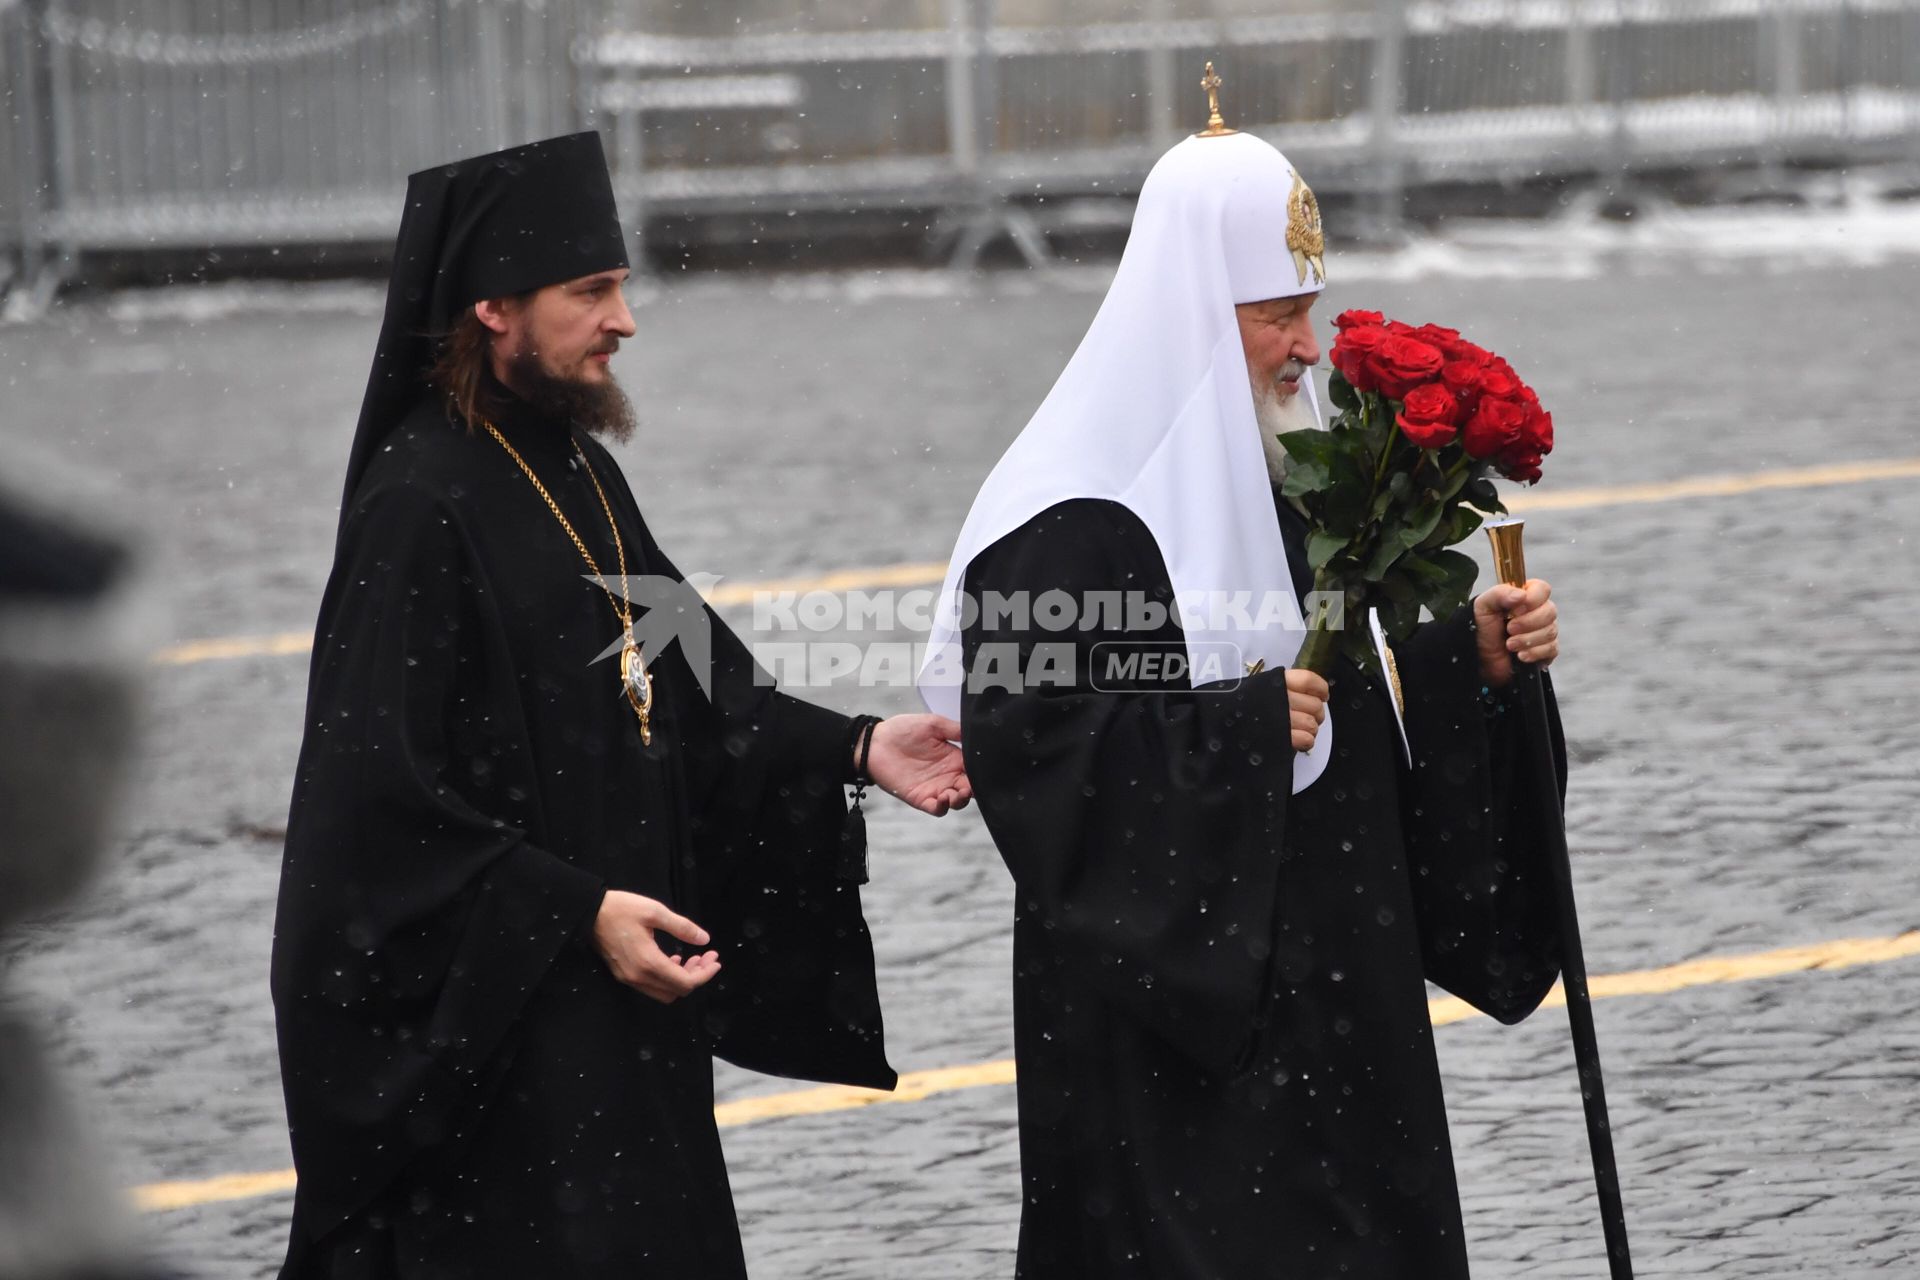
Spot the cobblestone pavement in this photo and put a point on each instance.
(1739, 687)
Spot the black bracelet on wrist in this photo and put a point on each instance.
(861, 775)
(859, 747)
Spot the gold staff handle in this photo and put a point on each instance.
(1509, 559)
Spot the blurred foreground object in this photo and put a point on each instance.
(69, 693)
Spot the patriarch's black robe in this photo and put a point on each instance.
(470, 1092)
(1226, 1065)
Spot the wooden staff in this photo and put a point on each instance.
(1511, 566)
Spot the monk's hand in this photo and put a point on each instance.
(1515, 622)
(914, 758)
(623, 932)
(1307, 700)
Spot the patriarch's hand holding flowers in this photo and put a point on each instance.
(1307, 705)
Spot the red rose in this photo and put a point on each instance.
(1536, 433)
(1465, 352)
(1519, 464)
(1495, 426)
(1437, 336)
(1358, 320)
(1351, 351)
(1498, 382)
(1400, 329)
(1462, 377)
(1429, 416)
(1400, 364)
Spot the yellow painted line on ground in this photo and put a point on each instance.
(932, 572)
(157, 1197)
(192, 651)
(1717, 486)
(913, 1087)
(1821, 957)
(1841, 953)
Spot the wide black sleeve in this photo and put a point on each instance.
(1142, 825)
(797, 994)
(415, 916)
(1483, 891)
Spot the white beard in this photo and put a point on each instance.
(1277, 415)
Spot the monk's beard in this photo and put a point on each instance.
(601, 408)
(1278, 414)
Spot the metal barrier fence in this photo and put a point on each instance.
(168, 124)
(1368, 101)
(193, 123)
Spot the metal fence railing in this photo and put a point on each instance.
(18, 165)
(166, 124)
(1371, 100)
(185, 123)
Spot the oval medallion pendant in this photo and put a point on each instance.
(639, 687)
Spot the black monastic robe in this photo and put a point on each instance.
(1226, 1065)
(470, 1092)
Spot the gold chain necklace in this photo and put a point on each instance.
(634, 680)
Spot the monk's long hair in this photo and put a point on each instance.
(460, 364)
(462, 374)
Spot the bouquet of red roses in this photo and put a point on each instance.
(1424, 420)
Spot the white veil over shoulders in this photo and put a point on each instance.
(1155, 411)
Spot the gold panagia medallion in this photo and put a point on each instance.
(1304, 234)
(638, 686)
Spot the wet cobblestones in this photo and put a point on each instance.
(1740, 688)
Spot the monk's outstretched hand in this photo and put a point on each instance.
(914, 758)
(623, 932)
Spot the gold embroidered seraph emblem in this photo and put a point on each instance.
(1304, 235)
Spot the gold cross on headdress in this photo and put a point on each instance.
(1216, 127)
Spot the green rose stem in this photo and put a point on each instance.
(1322, 646)
(1321, 649)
